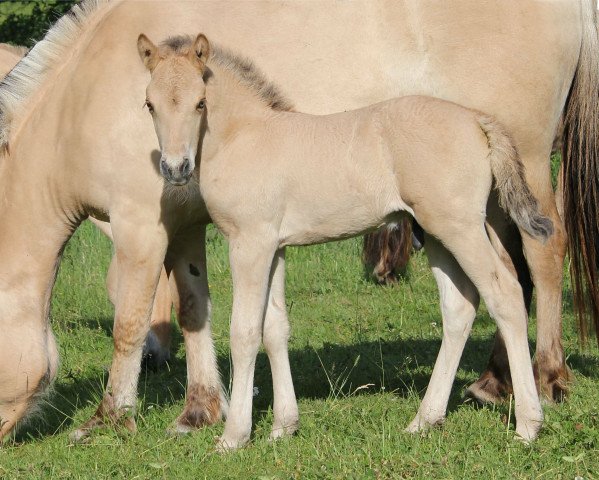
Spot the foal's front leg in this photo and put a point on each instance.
(140, 250)
(276, 337)
(251, 260)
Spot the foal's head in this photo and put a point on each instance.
(176, 100)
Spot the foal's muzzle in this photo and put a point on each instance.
(178, 175)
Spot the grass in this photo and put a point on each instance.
(361, 357)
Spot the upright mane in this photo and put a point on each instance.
(43, 59)
(242, 68)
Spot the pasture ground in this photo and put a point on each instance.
(361, 358)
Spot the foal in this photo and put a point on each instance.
(271, 178)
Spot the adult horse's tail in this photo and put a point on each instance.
(508, 171)
(580, 182)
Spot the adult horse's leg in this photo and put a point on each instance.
(275, 338)
(546, 267)
(140, 250)
(186, 259)
(156, 350)
(157, 345)
(459, 302)
(251, 259)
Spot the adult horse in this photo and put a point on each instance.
(157, 344)
(77, 143)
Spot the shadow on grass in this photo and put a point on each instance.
(402, 366)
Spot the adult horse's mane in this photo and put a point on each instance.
(244, 70)
(41, 61)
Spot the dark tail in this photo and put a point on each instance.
(580, 183)
(387, 251)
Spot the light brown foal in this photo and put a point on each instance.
(272, 178)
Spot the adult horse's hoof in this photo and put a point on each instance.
(105, 417)
(552, 383)
(203, 406)
(489, 388)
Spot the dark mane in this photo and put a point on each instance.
(243, 68)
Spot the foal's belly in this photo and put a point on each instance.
(336, 217)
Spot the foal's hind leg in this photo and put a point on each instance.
(495, 383)
(459, 301)
(545, 263)
(503, 296)
(205, 403)
(275, 338)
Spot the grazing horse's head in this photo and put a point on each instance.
(175, 98)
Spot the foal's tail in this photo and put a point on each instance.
(508, 171)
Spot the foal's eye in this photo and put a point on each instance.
(150, 106)
(201, 105)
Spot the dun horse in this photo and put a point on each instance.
(272, 178)
(157, 344)
(75, 143)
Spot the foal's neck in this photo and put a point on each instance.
(232, 106)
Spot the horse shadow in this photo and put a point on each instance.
(399, 366)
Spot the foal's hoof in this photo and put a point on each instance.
(488, 389)
(528, 430)
(421, 425)
(226, 445)
(278, 432)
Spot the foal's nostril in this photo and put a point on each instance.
(185, 167)
(164, 169)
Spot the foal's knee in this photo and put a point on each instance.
(276, 327)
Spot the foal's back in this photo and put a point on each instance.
(372, 164)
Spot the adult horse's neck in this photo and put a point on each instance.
(36, 223)
(38, 210)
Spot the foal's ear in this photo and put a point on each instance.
(200, 52)
(148, 52)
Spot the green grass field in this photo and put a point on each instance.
(361, 358)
